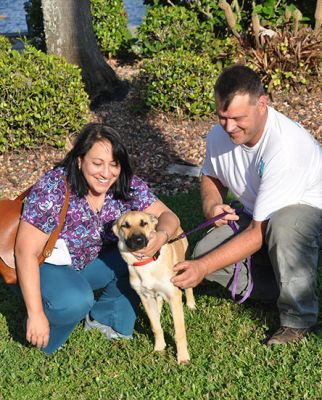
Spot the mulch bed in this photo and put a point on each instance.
(154, 141)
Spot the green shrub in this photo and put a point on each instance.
(272, 12)
(206, 11)
(42, 99)
(180, 81)
(5, 44)
(110, 26)
(223, 51)
(172, 28)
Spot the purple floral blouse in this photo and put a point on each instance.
(84, 231)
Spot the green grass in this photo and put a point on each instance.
(228, 360)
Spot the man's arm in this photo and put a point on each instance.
(213, 194)
(239, 247)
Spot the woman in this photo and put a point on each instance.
(102, 187)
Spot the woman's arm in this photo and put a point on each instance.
(165, 230)
(29, 244)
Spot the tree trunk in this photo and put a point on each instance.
(69, 33)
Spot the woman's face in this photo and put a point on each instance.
(99, 168)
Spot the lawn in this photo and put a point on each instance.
(228, 360)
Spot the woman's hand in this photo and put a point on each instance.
(156, 241)
(168, 223)
(37, 330)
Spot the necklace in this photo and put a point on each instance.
(98, 223)
(96, 209)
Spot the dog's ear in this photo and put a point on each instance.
(115, 229)
(154, 220)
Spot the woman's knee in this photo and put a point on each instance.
(70, 305)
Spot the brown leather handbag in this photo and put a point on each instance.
(10, 212)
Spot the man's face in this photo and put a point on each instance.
(244, 120)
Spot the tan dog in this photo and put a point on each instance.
(151, 278)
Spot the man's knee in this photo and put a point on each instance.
(295, 224)
(213, 239)
(280, 222)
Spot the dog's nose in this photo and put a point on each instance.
(136, 242)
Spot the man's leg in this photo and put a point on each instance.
(265, 287)
(294, 238)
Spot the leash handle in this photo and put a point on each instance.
(238, 266)
(250, 283)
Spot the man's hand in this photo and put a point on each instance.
(189, 273)
(221, 208)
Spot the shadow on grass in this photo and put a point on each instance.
(13, 309)
(263, 312)
(143, 327)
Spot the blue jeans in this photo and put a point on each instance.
(285, 269)
(68, 296)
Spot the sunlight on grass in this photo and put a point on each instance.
(228, 360)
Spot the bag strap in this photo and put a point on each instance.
(23, 194)
(54, 235)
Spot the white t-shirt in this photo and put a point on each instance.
(283, 168)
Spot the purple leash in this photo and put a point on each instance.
(198, 227)
(238, 265)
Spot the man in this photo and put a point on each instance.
(273, 166)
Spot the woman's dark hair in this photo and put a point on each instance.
(89, 135)
(237, 79)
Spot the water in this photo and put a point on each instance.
(136, 11)
(13, 18)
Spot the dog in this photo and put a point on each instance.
(150, 278)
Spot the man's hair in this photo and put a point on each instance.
(237, 79)
(89, 135)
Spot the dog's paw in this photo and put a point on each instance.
(192, 306)
(183, 361)
(183, 356)
(160, 347)
(190, 299)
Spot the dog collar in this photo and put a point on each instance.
(147, 261)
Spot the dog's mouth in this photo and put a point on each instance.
(136, 242)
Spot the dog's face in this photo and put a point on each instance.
(134, 228)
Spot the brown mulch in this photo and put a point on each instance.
(154, 141)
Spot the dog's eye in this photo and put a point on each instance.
(143, 223)
(125, 225)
